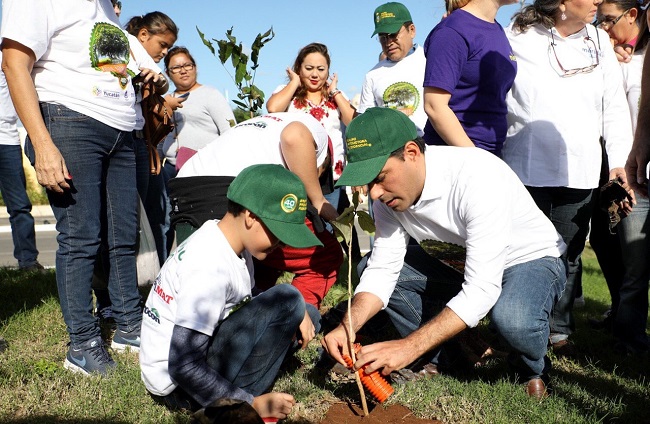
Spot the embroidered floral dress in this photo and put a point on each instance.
(327, 113)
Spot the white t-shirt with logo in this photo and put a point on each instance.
(252, 142)
(197, 288)
(8, 118)
(397, 85)
(81, 56)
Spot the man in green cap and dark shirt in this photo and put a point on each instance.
(514, 268)
(396, 81)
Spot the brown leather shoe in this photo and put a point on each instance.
(536, 388)
(564, 348)
(410, 374)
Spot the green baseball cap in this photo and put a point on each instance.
(390, 17)
(278, 198)
(371, 137)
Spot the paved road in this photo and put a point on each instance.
(46, 237)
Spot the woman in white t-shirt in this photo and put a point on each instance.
(558, 110)
(68, 76)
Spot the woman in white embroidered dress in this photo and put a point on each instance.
(311, 90)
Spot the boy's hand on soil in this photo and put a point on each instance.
(277, 405)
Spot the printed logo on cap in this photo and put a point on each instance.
(289, 203)
(383, 15)
(354, 143)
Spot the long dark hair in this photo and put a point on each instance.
(540, 12)
(301, 92)
(154, 22)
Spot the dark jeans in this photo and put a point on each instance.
(631, 317)
(570, 211)
(520, 315)
(142, 168)
(103, 191)
(157, 207)
(249, 346)
(13, 188)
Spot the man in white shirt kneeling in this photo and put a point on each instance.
(514, 268)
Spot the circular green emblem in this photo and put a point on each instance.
(402, 96)
(289, 203)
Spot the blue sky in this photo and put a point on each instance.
(343, 25)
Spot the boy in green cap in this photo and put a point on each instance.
(514, 269)
(204, 335)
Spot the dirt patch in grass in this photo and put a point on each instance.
(342, 413)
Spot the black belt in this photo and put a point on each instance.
(138, 134)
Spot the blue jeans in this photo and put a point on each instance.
(632, 313)
(103, 192)
(570, 211)
(142, 167)
(13, 188)
(257, 338)
(157, 207)
(520, 315)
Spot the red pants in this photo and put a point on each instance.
(315, 268)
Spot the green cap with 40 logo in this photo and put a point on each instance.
(278, 198)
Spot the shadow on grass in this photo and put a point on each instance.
(23, 291)
(618, 402)
(44, 419)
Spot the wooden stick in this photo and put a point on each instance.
(353, 354)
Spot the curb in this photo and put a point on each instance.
(38, 211)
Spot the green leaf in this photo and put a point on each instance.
(355, 199)
(235, 58)
(230, 37)
(243, 57)
(268, 36)
(343, 231)
(347, 216)
(366, 223)
(256, 92)
(207, 43)
(240, 71)
(241, 104)
(225, 50)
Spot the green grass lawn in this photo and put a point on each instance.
(598, 386)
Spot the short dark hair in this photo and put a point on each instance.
(117, 3)
(399, 153)
(178, 50)
(235, 208)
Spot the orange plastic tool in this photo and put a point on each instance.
(374, 382)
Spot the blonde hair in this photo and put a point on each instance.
(455, 4)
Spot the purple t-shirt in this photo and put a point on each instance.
(472, 60)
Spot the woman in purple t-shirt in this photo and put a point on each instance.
(470, 68)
